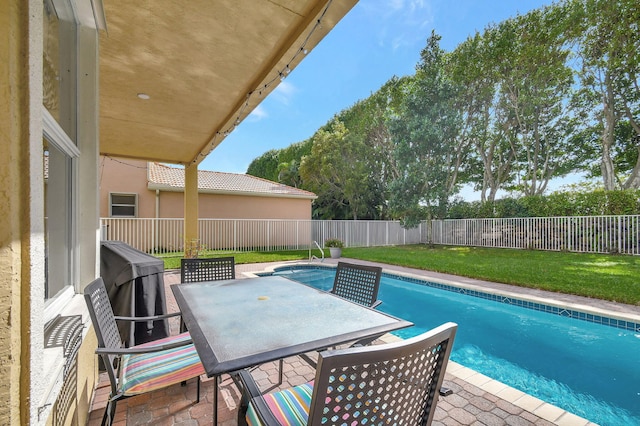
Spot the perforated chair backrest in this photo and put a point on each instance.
(104, 324)
(358, 283)
(394, 384)
(208, 269)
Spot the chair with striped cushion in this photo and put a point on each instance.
(143, 368)
(395, 384)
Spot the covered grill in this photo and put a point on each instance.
(135, 283)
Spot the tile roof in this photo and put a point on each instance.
(168, 178)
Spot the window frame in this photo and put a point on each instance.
(124, 194)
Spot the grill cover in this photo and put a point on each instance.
(135, 283)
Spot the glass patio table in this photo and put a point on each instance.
(241, 323)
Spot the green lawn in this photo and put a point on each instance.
(602, 276)
(608, 277)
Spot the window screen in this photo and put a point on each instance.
(123, 205)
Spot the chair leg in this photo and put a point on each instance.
(198, 389)
(309, 360)
(109, 413)
(244, 401)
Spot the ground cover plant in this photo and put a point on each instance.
(602, 276)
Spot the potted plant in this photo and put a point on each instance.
(335, 247)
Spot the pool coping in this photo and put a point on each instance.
(534, 405)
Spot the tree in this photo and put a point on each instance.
(534, 89)
(473, 69)
(338, 171)
(425, 137)
(608, 37)
(265, 166)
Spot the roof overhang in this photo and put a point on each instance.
(204, 66)
(169, 188)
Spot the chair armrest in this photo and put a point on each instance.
(376, 303)
(144, 349)
(151, 318)
(252, 394)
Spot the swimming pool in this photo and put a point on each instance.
(578, 364)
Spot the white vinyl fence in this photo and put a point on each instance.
(239, 235)
(586, 234)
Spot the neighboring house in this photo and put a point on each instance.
(130, 188)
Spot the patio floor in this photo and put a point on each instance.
(476, 399)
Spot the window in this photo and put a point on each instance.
(60, 154)
(123, 205)
(59, 257)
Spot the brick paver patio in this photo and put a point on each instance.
(469, 403)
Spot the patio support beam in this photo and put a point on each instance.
(191, 240)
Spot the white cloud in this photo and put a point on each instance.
(284, 92)
(258, 113)
(400, 23)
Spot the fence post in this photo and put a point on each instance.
(619, 235)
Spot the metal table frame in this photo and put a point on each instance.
(236, 324)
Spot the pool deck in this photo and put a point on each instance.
(476, 399)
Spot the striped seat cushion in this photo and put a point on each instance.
(142, 373)
(290, 406)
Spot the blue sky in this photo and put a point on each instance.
(376, 40)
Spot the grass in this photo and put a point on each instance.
(601, 276)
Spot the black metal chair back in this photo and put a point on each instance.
(358, 283)
(104, 324)
(207, 269)
(392, 384)
(396, 384)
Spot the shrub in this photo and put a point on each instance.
(333, 242)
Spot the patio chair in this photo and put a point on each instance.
(208, 269)
(358, 283)
(396, 383)
(143, 368)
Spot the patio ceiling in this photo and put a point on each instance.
(204, 64)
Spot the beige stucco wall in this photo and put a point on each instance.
(86, 381)
(21, 208)
(226, 206)
(125, 176)
(22, 271)
(129, 176)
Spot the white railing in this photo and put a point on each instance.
(585, 234)
(239, 235)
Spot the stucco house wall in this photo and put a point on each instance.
(226, 206)
(126, 176)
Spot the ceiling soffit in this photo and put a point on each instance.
(205, 65)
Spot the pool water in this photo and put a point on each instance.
(588, 369)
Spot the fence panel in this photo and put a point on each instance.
(586, 234)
